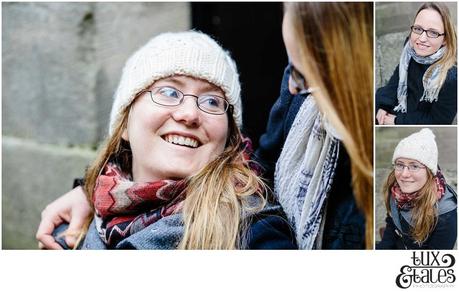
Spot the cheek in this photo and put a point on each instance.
(423, 180)
(412, 39)
(218, 134)
(438, 43)
(397, 177)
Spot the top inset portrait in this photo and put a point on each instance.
(416, 64)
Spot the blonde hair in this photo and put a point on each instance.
(449, 58)
(425, 213)
(218, 197)
(344, 78)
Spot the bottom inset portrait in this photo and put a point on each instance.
(415, 188)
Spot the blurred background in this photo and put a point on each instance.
(393, 21)
(61, 65)
(387, 138)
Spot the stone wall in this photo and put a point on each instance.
(61, 65)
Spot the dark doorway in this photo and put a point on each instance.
(252, 33)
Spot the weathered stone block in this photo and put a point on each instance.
(49, 73)
(388, 50)
(34, 175)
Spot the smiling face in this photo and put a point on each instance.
(410, 182)
(428, 19)
(174, 142)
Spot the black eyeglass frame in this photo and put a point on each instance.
(427, 31)
(228, 106)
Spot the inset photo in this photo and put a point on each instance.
(416, 63)
(415, 188)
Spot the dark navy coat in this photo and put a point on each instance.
(441, 111)
(397, 232)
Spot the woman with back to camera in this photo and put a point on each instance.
(421, 206)
(173, 172)
(320, 130)
(423, 87)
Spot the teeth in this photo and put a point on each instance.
(180, 140)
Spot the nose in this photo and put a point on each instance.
(423, 36)
(187, 112)
(405, 172)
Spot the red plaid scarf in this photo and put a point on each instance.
(405, 201)
(124, 207)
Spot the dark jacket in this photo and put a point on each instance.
(344, 223)
(267, 229)
(441, 111)
(397, 232)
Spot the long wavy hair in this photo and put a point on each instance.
(218, 197)
(449, 58)
(335, 43)
(425, 213)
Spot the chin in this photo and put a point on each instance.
(409, 190)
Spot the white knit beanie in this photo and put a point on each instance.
(420, 146)
(188, 53)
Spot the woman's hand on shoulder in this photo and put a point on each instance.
(73, 208)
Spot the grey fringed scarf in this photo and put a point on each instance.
(304, 173)
(431, 84)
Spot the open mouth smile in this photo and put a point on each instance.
(181, 140)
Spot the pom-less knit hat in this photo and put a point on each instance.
(188, 53)
(420, 146)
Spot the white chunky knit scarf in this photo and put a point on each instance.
(304, 173)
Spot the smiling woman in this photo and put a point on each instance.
(421, 206)
(174, 170)
(423, 87)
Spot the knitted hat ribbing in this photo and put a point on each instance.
(420, 146)
(188, 53)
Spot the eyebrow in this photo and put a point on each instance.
(207, 87)
(410, 163)
(430, 28)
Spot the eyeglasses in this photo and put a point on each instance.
(430, 33)
(299, 82)
(411, 167)
(170, 96)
